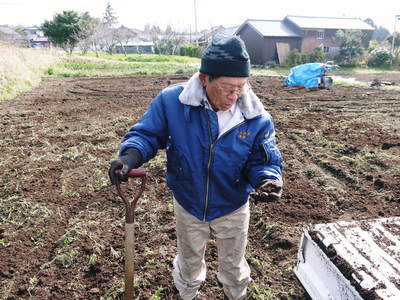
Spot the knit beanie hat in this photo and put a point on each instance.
(226, 56)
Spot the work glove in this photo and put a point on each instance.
(130, 159)
(268, 190)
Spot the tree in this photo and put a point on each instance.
(168, 30)
(89, 37)
(380, 34)
(108, 29)
(124, 35)
(21, 31)
(65, 29)
(370, 22)
(396, 44)
(110, 18)
(368, 35)
(350, 45)
(169, 42)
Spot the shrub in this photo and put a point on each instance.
(191, 50)
(317, 55)
(295, 58)
(380, 57)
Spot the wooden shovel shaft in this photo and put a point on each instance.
(130, 230)
(129, 260)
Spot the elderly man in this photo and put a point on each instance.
(220, 145)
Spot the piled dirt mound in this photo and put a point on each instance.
(61, 232)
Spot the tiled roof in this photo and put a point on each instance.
(329, 23)
(271, 28)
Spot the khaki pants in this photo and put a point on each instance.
(230, 232)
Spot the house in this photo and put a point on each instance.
(263, 36)
(206, 36)
(137, 47)
(271, 40)
(36, 37)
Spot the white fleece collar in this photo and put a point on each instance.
(193, 94)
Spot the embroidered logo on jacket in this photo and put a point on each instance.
(244, 134)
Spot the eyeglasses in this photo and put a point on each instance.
(233, 90)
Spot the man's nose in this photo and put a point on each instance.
(233, 96)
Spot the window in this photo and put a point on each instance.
(326, 49)
(320, 35)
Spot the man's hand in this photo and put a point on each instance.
(128, 160)
(267, 191)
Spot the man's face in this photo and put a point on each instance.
(223, 92)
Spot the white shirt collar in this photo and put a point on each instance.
(230, 110)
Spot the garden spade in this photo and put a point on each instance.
(129, 230)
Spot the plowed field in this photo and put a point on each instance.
(62, 224)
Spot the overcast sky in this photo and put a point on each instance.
(180, 13)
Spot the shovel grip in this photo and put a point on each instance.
(131, 205)
(133, 173)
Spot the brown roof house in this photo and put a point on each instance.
(36, 37)
(271, 40)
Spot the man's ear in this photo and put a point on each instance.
(203, 79)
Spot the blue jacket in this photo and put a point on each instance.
(210, 176)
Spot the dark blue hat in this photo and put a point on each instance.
(226, 56)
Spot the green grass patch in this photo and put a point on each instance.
(341, 81)
(78, 66)
(144, 58)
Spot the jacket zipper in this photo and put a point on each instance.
(208, 166)
(212, 145)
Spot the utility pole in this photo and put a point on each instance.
(394, 33)
(195, 23)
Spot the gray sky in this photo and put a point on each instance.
(180, 13)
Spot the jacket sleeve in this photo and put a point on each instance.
(150, 133)
(265, 160)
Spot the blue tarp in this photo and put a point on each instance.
(306, 74)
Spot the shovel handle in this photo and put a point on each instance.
(129, 229)
(130, 206)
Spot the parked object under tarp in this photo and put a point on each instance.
(307, 75)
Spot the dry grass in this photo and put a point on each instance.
(22, 68)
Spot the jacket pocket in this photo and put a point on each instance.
(177, 164)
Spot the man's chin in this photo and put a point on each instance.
(225, 107)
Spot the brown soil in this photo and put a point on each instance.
(390, 77)
(62, 224)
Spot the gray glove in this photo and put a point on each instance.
(267, 190)
(128, 160)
